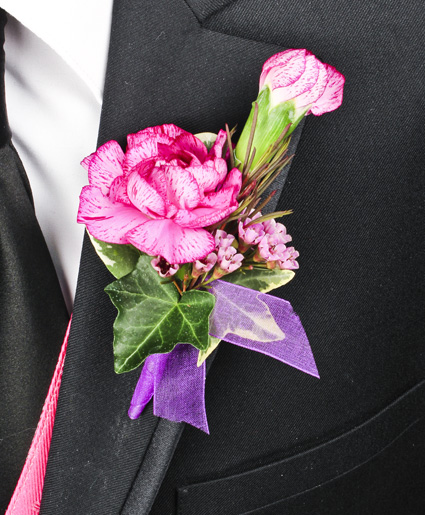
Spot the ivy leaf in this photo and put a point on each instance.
(263, 280)
(153, 317)
(120, 260)
(203, 354)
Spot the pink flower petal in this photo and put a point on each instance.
(210, 174)
(182, 189)
(289, 71)
(172, 153)
(85, 163)
(295, 56)
(192, 144)
(157, 179)
(217, 148)
(143, 196)
(118, 191)
(331, 99)
(174, 243)
(317, 90)
(202, 216)
(106, 220)
(170, 130)
(105, 165)
(228, 193)
(307, 80)
(146, 148)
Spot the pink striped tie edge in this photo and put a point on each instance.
(27, 495)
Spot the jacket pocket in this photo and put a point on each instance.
(265, 489)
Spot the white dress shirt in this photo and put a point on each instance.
(55, 66)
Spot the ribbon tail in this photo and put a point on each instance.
(151, 372)
(177, 386)
(294, 350)
(180, 391)
(291, 347)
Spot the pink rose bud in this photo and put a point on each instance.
(204, 266)
(251, 235)
(273, 227)
(163, 267)
(293, 83)
(161, 195)
(289, 263)
(228, 260)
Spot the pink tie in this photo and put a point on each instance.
(27, 495)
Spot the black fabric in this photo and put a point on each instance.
(33, 316)
(374, 488)
(154, 466)
(282, 481)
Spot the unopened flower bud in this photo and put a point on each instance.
(293, 84)
(250, 235)
(163, 267)
(203, 266)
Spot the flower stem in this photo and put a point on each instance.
(178, 287)
(230, 147)
(245, 169)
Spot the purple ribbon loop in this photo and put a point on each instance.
(177, 384)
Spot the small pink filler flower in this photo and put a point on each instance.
(160, 194)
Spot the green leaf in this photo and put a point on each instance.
(271, 121)
(263, 280)
(153, 317)
(203, 354)
(120, 260)
(207, 138)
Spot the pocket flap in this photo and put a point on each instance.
(308, 469)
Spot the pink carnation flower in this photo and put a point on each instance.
(298, 75)
(160, 194)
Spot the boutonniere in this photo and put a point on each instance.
(180, 221)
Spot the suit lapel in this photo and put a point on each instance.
(163, 68)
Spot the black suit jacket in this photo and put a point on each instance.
(281, 441)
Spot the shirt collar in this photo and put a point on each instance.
(78, 31)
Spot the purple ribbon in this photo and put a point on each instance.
(177, 384)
